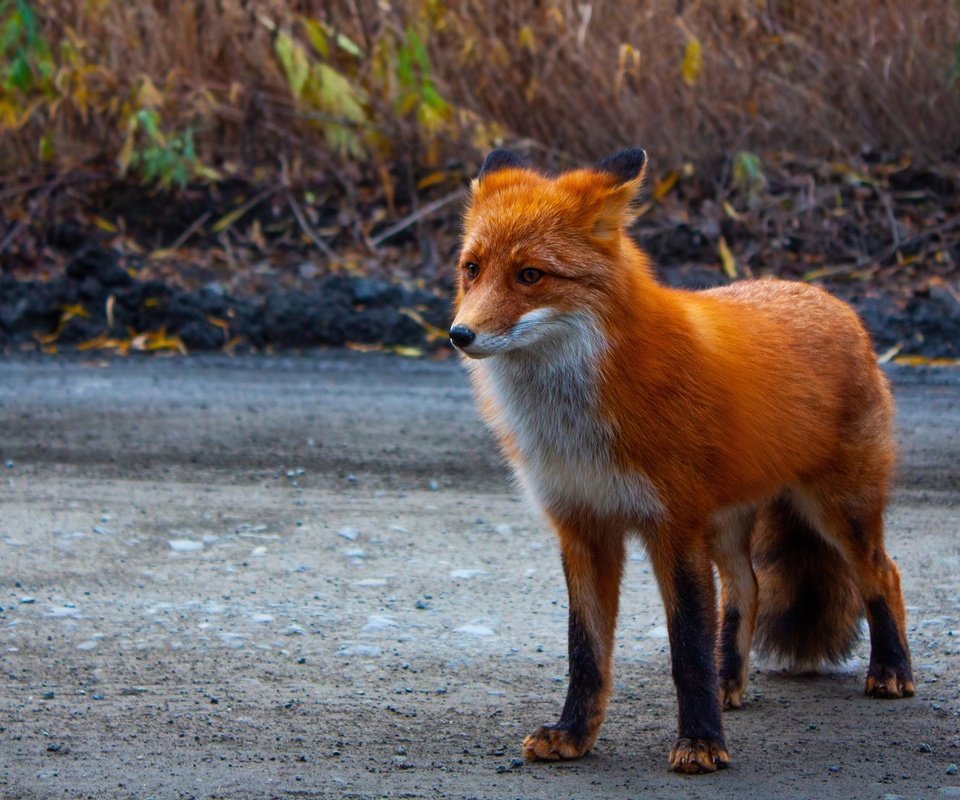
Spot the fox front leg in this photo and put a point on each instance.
(593, 565)
(686, 582)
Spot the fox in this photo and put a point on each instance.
(747, 428)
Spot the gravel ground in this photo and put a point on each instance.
(311, 577)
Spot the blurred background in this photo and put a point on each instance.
(266, 174)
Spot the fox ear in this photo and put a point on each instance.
(626, 165)
(628, 169)
(501, 159)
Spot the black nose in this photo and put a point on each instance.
(462, 336)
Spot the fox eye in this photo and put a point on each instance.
(529, 275)
(472, 269)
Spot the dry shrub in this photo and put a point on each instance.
(223, 81)
(695, 80)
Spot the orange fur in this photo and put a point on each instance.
(692, 418)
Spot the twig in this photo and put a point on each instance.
(310, 232)
(920, 238)
(194, 226)
(416, 216)
(21, 224)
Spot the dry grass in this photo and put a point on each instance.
(824, 79)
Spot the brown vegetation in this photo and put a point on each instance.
(178, 90)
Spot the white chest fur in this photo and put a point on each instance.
(546, 398)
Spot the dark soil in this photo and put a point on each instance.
(96, 304)
(91, 264)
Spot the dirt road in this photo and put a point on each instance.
(302, 578)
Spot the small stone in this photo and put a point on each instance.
(49, 695)
(349, 534)
(8, 464)
(501, 768)
(434, 486)
(516, 762)
(924, 748)
(421, 604)
(27, 601)
(952, 769)
(184, 545)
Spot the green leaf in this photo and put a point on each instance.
(295, 62)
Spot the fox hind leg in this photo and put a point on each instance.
(858, 530)
(738, 601)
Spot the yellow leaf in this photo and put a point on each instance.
(149, 96)
(527, 39)
(730, 211)
(228, 219)
(924, 361)
(316, 35)
(434, 334)
(407, 352)
(104, 225)
(726, 259)
(663, 186)
(692, 61)
(431, 180)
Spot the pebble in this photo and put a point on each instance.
(924, 748)
(365, 650)
(348, 533)
(377, 623)
(184, 545)
(27, 601)
(49, 695)
(466, 574)
(952, 769)
(475, 629)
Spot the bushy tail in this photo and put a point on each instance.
(809, 607)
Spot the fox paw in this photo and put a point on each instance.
(890, 683)
(730, 694)
(553, 743)
(698, 755)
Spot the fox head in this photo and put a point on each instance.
(542, 254)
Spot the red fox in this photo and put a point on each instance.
(747, 427)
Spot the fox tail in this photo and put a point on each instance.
(809, 607)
